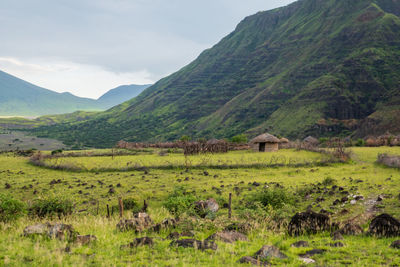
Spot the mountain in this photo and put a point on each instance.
(120, 94)
(21, 98)
(321, 67)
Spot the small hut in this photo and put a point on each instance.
(265, 143)
(283, 143)
(312, 141)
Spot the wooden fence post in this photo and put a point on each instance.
(144, 206)
(121, 207)
(108, 211)
(230, 206)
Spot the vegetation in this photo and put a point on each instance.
(10, 209)
(263, 200)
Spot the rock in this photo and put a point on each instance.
(307, 260)
(396, 244)
(192, 243)
(7, 186)
(139, 223)
(243, 228)
(228, 237)
(308, 222)
(344, 199)
(85, 239)
(203, 207)
(300, 244)
(142, 241)
(379, 199)
(336, 202)
(351, 229)
(353, 202)
(58, 230)
(251, 260)
(176, 235)
(384, 225)
(337, 236)
(167, 223)
(337, 244)
(267, 252)
(312, 252)
(358, 197)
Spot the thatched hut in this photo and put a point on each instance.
(265, 143)
(283, 143)
(312, 141)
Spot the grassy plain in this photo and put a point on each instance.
(360, 176)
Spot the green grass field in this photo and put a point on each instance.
(89, 191)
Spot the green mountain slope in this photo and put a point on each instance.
(121, 94)
(314, 67)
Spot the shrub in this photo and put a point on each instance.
(185, 138)
(55, 152)
(328, 181)
(10, 208)
(275, 198)
(50, 207)
(239, 139)
(179, 201)
(360, 142)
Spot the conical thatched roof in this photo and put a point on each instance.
(265, 138)
(311, 140)
(284, 140)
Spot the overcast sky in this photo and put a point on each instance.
(89, 46)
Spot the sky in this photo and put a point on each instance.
(87, 47)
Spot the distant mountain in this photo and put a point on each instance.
(121, 94)
(21, 98)
(321, 67)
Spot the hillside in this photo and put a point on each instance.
(322, 67)
(120, 94)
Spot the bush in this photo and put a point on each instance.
(239, 139)
(55, 152)
(10, 208)
(275, 198)
(328, 181)
(179, 201)
(360, 142)
(50, 207)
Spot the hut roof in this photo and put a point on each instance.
(284, 140)
(265, 138)
(311, 140)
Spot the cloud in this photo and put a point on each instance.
(140, 39)
(80, 79)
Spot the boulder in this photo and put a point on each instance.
(267, 252)
(228, 236)
(59, 230)
(351, 229)
(176, 235)
(142, 241)
(308, 222)
(312, 252)
(203, 207)
(384, 225)
(85, 239)
(300, 244)
(193, 243)
(139, 223)
(307, 260)
(251, 260)
(243, 228)
(337, 236)
(167, 223)
(396, 244)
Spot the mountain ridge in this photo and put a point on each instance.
(307, 68)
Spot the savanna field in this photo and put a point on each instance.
(268, 189)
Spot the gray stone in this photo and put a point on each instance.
(267, 252)
(251, 260)
(228, 236)
(299, 244)
(139, 223)
(192, 243)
